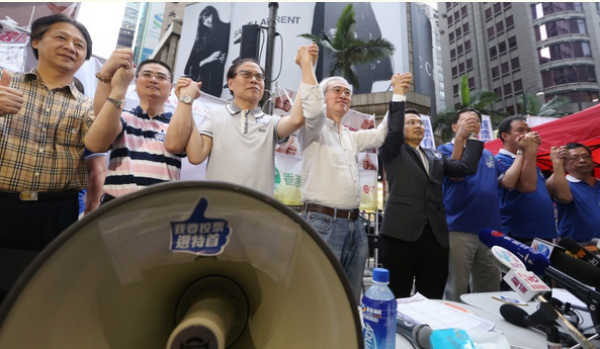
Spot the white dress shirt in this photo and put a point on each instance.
(330, 159)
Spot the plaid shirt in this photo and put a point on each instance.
(41, 147)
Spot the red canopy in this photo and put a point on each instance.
(582, 127)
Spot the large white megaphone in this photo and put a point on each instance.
(184, 265)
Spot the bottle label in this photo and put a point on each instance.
(379, 318)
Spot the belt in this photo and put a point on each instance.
(333, 212)
(41, 195)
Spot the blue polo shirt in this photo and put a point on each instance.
(580, 218)
(472, 204)
(526, 215)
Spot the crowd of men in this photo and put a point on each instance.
(439, 198)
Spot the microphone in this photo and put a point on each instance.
(417, 334)
(537, 263)
(528, 286)
(533, 260)
(579, 252)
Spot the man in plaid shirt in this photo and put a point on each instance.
(43, 120)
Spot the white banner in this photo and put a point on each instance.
(486, 133)
(428, 140)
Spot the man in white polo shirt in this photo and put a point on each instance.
(239, 139)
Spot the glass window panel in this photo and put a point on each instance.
(518, 85)
(515, 64)
(504, 68)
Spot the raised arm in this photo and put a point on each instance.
(557, 184)
(182, 133)
(97, 173)
(306, 58)
(107, 125)
(465, 128)
(395, 118)
(122, 57)
(527, 181)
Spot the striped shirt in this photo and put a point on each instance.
(138, 157)
(41, 147)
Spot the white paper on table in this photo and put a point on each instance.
(420, 310)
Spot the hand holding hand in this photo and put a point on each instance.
(11, 100)
(185, 86)
(120, 58)
(529, 142)
(401, 83)
(307, 53)
(122, 78)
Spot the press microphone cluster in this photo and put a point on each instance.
(418, 334)
(577, 251)
(525, 283)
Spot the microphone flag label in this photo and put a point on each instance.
(525, 283)
(199, 234)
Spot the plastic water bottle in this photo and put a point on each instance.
(379, 310)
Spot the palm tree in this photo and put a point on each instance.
(346, 50)
(481, 100)
(549, 108)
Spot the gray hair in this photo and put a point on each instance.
(325, 83)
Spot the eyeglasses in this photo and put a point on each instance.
(414, 123)
(146, 74)
(339, 90)
(249, 75)
(584, 157)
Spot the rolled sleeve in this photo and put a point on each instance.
(313, 103)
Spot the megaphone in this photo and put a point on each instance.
(184, 265)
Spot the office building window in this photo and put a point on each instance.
(497, 8)
(458, 32)
(459, 49)
(463, 10)
(448, 5)
(452, 54)
(518, 85)
(504, 68)
(456, 15)
(507, 89)
(495, 72)
(498, 91)
(488, 14)
(560, 27)
(509, 21)
(502, 47)
(461, 68)
(455, 89)
(493, 52)
(466, 28)
(490, 32)
(512, 42)
(471, 83)
(510, 110)
(568, 75)
(515, 64)
(451, 37)
(467, 45)
(565, 50)
(575, 96)
(469, 64)
(499, 28)
(454, 71)
(506, 5)
(542, 9)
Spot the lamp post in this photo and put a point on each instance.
(540, 93)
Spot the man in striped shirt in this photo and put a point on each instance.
(43, 120)
(138, 157)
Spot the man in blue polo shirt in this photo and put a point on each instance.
(526, 212)
(577, 195)
(471, 204)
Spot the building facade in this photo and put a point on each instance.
(516, 47)
(130, 19)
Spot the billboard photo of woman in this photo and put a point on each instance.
(209, 53)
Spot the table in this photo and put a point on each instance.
(517, 336)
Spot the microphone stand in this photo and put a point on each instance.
(564, 323)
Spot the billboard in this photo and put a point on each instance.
(149, 31)
(422, 40)
(387, 20)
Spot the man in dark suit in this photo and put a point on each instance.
(414, 233)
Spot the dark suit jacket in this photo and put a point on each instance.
(415, 197)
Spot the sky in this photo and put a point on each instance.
(103, 21)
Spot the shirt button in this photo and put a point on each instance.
(41, 150)
(48, 110)
(36, 174)
(44, 129)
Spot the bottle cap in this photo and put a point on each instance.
(381, 275)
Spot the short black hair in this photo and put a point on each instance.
(41, 25)
(412, 111)
(570, 146)
(234, 67)
(156, 61)
(457, 116)
(506, 124)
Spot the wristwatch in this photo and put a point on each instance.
(185, 99)
(119, 103)
(519, 152)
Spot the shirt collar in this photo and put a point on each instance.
(139, 112)
(506, 152)
(233, 109)
(34, 75)
(575, 180)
